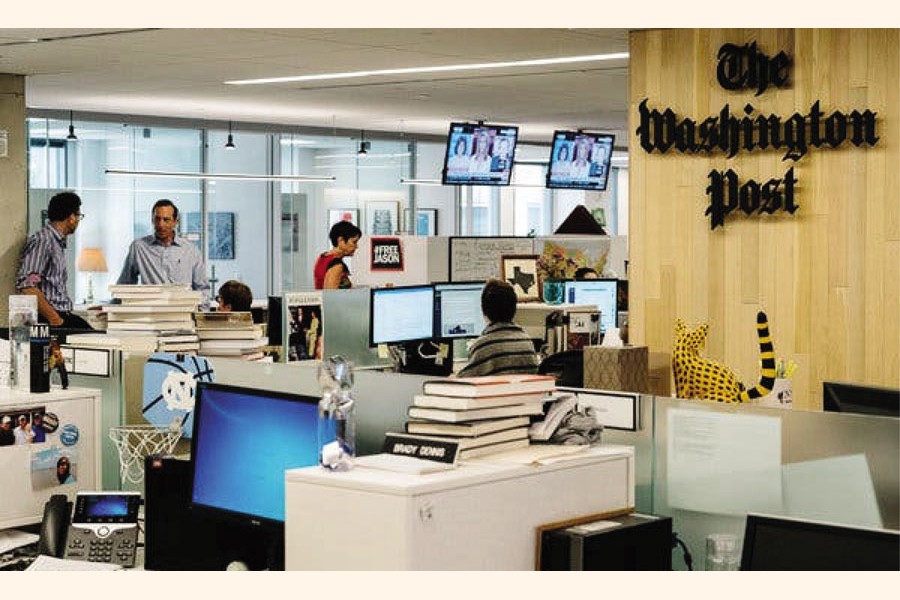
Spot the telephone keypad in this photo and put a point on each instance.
(119, 546)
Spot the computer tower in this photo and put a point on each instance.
(176, 538)
(634, 542)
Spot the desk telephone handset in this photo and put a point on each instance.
(103, 527)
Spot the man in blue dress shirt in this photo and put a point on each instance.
(43, 272)
(165, 257)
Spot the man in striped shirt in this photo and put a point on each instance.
(42, 272)
(503, 346)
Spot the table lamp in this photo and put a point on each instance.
(91, 260)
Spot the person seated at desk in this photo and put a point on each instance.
(503, 347)
(234, 296)
(165, 257)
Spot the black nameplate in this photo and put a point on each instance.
(443, 451)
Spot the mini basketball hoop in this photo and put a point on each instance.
(135, 442)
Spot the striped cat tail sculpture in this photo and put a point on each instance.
(699, 377)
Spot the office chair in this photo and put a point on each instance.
(566, 366)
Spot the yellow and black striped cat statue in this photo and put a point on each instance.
(699, 377)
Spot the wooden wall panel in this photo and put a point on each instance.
(829, 275)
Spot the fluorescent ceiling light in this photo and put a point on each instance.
(536, 62)
(291, 142)
(238, 176)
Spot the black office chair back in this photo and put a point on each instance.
(567, 367)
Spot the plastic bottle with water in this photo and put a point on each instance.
(337, 415)
(22, 315)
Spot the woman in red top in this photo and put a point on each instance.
(330, 272)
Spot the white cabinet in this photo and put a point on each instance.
(28, 471)
(480, 516)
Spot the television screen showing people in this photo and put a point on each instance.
(479, 154)
(580, 160)
(401, 314)
(457, 309)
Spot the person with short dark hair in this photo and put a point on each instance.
(42, 272)
(585, 273)
(165, 256)
(64, 470)
(234, 296)
(37, 426)
(7, 437)
(503, 347)
(330, 272)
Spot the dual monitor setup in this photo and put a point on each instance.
(482, 154)
(453, 310)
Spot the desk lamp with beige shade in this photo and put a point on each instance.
(90, 261)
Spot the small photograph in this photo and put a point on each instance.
(305, 332)
(23, 426)
(53, 467)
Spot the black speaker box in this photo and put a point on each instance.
(634, 542)
(178, 539)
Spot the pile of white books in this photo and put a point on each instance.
(160, 311)
(230, 334)
(483, 415)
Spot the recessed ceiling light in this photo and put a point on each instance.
(536, 62)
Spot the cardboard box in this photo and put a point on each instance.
(624, 369)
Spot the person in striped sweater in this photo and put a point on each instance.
(503, 347)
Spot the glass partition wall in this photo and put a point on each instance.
(267, 233)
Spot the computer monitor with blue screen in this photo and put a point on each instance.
(243, 441)
(457, 309)
(600, 292)
(401, 314)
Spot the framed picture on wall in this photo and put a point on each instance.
(382, 217)
(426, 221)
(219, 233)
(520, 271)
(343, 214)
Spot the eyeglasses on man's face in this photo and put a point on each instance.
(80, 216)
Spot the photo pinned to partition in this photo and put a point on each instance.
(305, 327)
(53, 467)
(23, 426)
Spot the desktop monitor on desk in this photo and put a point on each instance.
(601, 292)
(782, 544)
(457, 309)
(243, 441)
(860, 399)
(401, 314)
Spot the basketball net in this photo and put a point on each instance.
(135, 442)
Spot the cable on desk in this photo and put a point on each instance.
(686, 554)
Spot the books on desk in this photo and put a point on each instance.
(463, 403)
(466, 429)
(474, 414)
(489, 385)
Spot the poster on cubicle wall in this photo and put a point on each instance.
(303, 326)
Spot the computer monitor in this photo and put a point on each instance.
(860, 399)
(401, 314)
(243, 441)
(457, 309)
(781, 544)
(601, 292)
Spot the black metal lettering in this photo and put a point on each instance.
(863, 125)
(718, 208)
(729, 71)
(750, 197)
(836, 129)
(795, 137)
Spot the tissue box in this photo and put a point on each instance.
(624, 368)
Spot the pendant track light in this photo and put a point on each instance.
(364, 145)
(230, 143)
(71, 135)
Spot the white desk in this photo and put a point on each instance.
(480, 516)
(23, 489)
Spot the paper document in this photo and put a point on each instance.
(537, 454)
(48, 563)
(10, 539)
(401, 464)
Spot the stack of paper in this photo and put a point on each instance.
(161, 311)
(230, 334)
(482, 414)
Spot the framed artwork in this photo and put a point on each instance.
(426, 221)
(382, 217)
(219, 233)
(343, 214)
(520, 271)
(387, 254)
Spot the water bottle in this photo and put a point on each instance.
(22, 315)
(336, 430)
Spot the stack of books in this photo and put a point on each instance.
(230, 334)
(160, 311)
(483, 414)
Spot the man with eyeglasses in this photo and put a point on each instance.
(42, 272)
(165, 256)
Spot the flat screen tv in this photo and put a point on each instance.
(860, 399)
(580, 160)
(479, 154)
